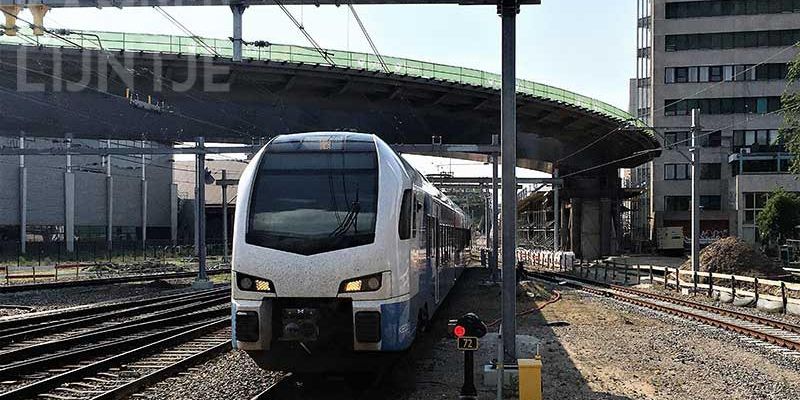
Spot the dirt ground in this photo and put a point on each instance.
(605, 351)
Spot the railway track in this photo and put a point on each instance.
(23, 287)
(780, 334)
(115, 352)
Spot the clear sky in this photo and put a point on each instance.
(587, 46)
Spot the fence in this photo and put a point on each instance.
(53, 254)
(670, 278)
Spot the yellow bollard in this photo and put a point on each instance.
(38, 12)
(10, 12)
(530, 378)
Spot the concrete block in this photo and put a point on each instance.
(200, 284)
(743, 301)
(770, 306)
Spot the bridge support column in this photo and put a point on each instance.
(238, 11)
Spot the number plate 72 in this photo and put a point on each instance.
(467, 343)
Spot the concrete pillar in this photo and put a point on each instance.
(224, 217)
(173, 213)
(23, 200)
(69, 204)
(590, 228)
(606, 223)
(109, 203)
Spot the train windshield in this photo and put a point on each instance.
(310, 202)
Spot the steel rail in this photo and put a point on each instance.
(105, 281)
(163, 373)
(648, 302)
(172, 317)
(47, 328)
(271, 392)
(124, 343)
(149, 345)
(27, 320)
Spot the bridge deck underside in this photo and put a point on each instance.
(240, 102)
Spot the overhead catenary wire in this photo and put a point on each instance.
(186, 30)
(594, 167)
(325, 55)
(45, 30)
(369, 38)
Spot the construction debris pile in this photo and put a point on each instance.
(732, 255)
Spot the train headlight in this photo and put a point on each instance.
(368, 283)
(253, 284)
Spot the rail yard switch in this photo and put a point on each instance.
(530, 378)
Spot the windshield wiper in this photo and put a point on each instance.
(348, 221)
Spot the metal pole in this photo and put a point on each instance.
(144, 205)
(508, 129)
(556, 215)
(202, 277)
(224, 217)
(695, 195)
(495, 214)
(69, 202)
(23, 200)
(238, 10)
(109, 203)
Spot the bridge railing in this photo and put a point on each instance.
(299, 54)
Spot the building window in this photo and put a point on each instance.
(754, 202)
(713, 202)
(711, 139)
(729, 40)
(710, 171)
(718, 8)
(757, 139)
(738, 105)
(677, 203)
(676, 172)
(727, 73)
(678, 138)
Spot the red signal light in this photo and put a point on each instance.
(459, 331)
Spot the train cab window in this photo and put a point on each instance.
(311, 198)
(406, 215)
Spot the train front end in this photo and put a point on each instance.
(315, 283)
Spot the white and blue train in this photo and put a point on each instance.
(341, 252)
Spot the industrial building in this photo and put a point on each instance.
(729, 59)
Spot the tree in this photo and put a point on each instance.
(790, 109)
(780, 216)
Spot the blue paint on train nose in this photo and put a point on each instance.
(397, 330)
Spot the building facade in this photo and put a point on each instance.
(727, 58)
(69, 200)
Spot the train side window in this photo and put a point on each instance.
(404, 227)
(415, 207)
